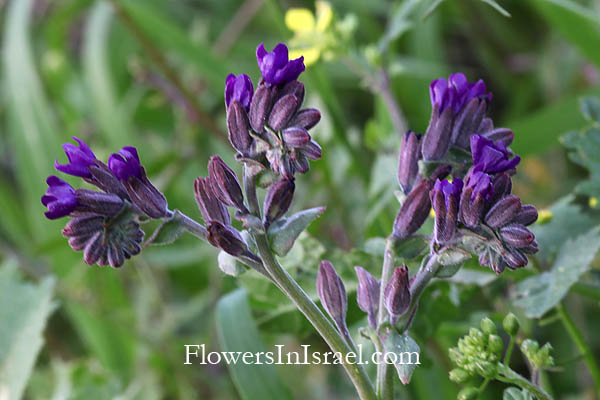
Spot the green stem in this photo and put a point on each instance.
(304, 303)
(586, 289)
(510, 376)
(581, 344)
(385, 375)
(425, 274)
(511, 345)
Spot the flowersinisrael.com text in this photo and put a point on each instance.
(197, 354)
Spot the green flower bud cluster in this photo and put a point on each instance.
(478, 353)
(538, 357)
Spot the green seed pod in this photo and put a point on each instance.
(495, 344)
(459, 375)
(511, 324)
(468, 393)
(488, 326)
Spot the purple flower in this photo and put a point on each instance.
(125, 164)
(275, 67)
(489, 157)
(445, 198)
(80, 158)
(481, 185)
(238, 89)
(59, 198)
(456, 92)
(478, 189)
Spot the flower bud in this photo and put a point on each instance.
(500, 135)
(225, 185)
(332, 293)
(238, 89)
(478, 188)
(516, 235)
(211, 208)
(80, 159)
(275, 66)
(278, 200)
(491, 157)
(227, 239)
(511, 324)
(367, 295)
(239, 128)
(260, 107)
(106, 204)
(495, 345)
(283, 111)
(312, 150)
(459, 375)
(502, 186)
(295, 137)
(530, 347)
(468, 393)
(294, 88)
(436, 142)
(527, 215)
(445, 198)
(531, 248)
(515, 258)
(397, 294)
(408, 164)
(103, 178)
(306, 118)
(486, 369)
(488, 326)
(60, 198)
(414, 211)
(503, 212)
(467, 122)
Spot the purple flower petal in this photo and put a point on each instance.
(80, 158)
(275, 67)
(59, 198)
(125, 164)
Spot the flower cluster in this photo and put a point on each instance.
(476, 206)
(104, 223)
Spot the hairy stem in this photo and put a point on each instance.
(580, 342)
(510, 376)
(385, 376)
(425, 274)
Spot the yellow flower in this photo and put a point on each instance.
(544, 216)
(309, 31)
(593, 202)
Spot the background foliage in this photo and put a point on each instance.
(151, 73)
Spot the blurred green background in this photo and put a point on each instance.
(151, 73)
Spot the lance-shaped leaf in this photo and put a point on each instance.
(168, 231)
(451, 259)
(405, 354)
(230, 265)
(284, 232)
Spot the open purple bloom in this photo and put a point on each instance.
(59, 198)
(456, 92)
(238, 88)
(489, 157)
(275, 67)
(481, 185)
(80, 158)
(126, 163)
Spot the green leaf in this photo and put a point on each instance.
(585, 146)
(538, 294)
(24, 310)
(513, 393)
(230, 265)
(497, 7)
(410, 248)
(284, 232)
(168, 231)
(468, 276)
(238, 333)
(576, 23)
(590, 107)
(405, 348)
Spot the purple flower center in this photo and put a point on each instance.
(456, 92)
(275, 67)
(59, 198)
(489, 157)
(80, 158)
(125, 164)
(238, 89)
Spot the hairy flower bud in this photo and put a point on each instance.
(488, 326)
(503, 212)
(478, 189)
(210, 206)
(332, 293)
(295, 137)
(91, 201)
(516, 235)
(500, 135)
(367, 295)
(511, 324)
(239, 127)
(312, 150)
(414, 211)
(436, 142)
(80, 159)
(468, 393)
(468, 121)
(227, 239)
(515, 258)
(238, 89)
(408, 163)
(397, 294)
(60, 198)
(502, 186)
(294, 88)
(445, 197)
(225, 185)
(306, 118)
(458, 375)
(283, 111)
(278, 200)
(527, 215)
(260, 107)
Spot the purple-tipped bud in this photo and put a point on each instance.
(260, 107)
(278, 200)
(238, 89)
(500, 135)
(239, 128)
(456, 92)
(332, 293)
(527, 215)
(312, 150)
(91, 201)
(478, 189)
(436, 142)
(225, 184)
(414, 211)
(294, 88)
(125, 164)
(397, 294)
(502, 185)
(283, 111)
(503, 212)
(306, 118)
(531, 248)
(517, 235)
(445, 198)
(300, 162)
(468, 122)
(103, 178)
(515, 259)
(80, 159)
(210, 206)
(295, 137)
(60, 198)
(367, 295)
(489, 157)
(227, 239)
(408, 164)
(275, 67)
